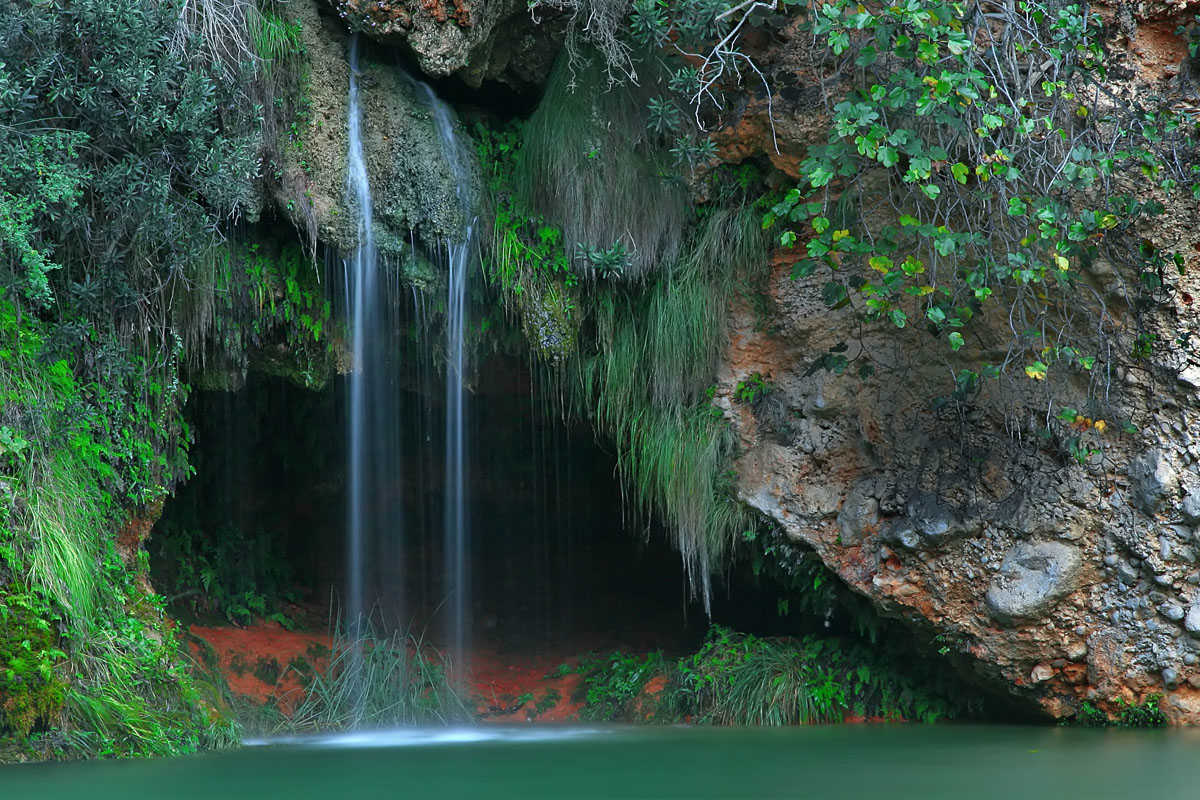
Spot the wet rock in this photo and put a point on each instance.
(413, 183)
(1153, 479)
(1033, 577)
(929, 523)
(1191, 622)
(1191, 376)
(1041, 673)
(1127, 574)
(475, 41)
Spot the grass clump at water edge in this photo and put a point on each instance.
(742, 679)
(370, 680)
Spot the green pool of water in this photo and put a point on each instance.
(547, 762)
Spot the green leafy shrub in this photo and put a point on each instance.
(975, 171)
(752, 389)
(611, 683)
(741, 679)
(228, 571)
(1146, 714)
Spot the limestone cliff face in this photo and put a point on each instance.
(474, 40)
(412, 183)
(1066, 581)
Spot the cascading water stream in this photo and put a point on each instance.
(361, 288)
(375, 510)
(456, 519)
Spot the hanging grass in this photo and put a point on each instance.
(588, 162)
(644, 384)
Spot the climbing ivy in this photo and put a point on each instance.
(978, 166)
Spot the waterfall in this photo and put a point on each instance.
(361, 287)
(456, 518)
(374, 513)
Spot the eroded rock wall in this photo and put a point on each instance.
(412, 183)
(1068, 581)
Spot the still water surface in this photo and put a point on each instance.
(876, 762)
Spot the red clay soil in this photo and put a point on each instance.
(241, 650)
(506, 686)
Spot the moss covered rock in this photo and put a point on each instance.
(412, 183)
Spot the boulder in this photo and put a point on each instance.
(1152, 480)
(929, 523)
(1032, 578)
(859, 514)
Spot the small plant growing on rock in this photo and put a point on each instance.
(752, 389)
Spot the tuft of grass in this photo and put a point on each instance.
(64, 523)
(741, 679)
(274, 39)
(375, 681)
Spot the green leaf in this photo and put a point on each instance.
(820, 224)
(804, 268)
(898, 317)
(834, 294)
(931, 190)
(959, 171)
(956, 340)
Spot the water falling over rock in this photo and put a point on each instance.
(374, 514)
(457, 522)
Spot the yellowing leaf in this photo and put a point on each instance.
(1036, 370)
(839, 235)
(1062, 263)
(1100, 425)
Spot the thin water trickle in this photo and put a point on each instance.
(374, 512)
(374, 409)
(456, 519)
(360, 287)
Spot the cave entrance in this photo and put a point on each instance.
(260, 529)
